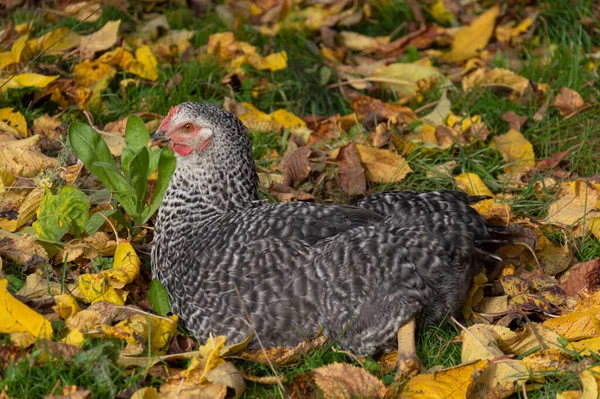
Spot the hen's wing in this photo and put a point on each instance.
(302, 221)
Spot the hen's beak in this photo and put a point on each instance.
(159, 137)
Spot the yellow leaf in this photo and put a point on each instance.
(403, 78)
(382, 166)
(145, 64)
(89, 73)
(472, 39)
(66, 306)
(272, 62)
(15, 317)
(83, 250)
(452, 382)
(254, 119)
(55, 42)
(46, 126)
(286, 119)
(74, 337)
(440, 13)
(101, 40)
(6, 180)
(146, 393)
(23, 158)
(493, 212)
(356, 41)
(516, 150)
(479, 343)
(6, 59)
(210, 353)
(126, 267)
(577, 199)
(547, 360)
(13, 122)
(496, 77)
(18, 46)
(26, 80)
(18, 207)
(22, 339)
(575, 326)
(472, 184)
(95, 288)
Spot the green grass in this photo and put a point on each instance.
(556, 56)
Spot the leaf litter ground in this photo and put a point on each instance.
(341, 99)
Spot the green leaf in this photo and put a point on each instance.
(124, 192)
(157, 295)
(66, 212)
(154, 158)
(91, 148)
(96, 221)
(137, 173)
(166, 167)
(136, 137)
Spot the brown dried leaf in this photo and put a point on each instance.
(580, 277)
(515, 121)
(352, 174)
(72, 392)
(296, 166)
(22, 249)
(342, 380)
(58, 350)
(568, 101)
(281, 355)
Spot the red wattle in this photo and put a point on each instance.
(181, 149)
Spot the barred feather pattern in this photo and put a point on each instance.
(360, 272)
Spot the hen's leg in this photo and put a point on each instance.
(409, 363)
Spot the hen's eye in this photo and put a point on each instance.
(188, 127)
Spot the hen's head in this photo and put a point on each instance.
(199, 130)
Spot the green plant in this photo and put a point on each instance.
(138, 162)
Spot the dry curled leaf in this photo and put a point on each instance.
(568, 101)
(352, 174)
(342, 380)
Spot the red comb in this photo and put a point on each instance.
(167, 121)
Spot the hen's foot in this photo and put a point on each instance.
(409, 363)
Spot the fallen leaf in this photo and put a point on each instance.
(23, 158)
(471, 40)
(144, 65)
(66, 306)
(496, 77)
(65, 212)
(517, 152)
(17, 207)
(13, 122)
(126, 266)
(515, 122)
(568, 101)
(22, 249)
(575, 326)
(577, 199)
(72, 392)
(102, 39)
(403, 78)
(382, 166)
(226, 374)
(296, 166)
(357, 42)
(342, 380)
(282, 356)
(352, 174)
(580, 277)
(453, 382)
(46, 126)
(472, 184)
(91, 247)
(26, 80)
(15, 317)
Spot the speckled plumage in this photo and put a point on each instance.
(360, 272)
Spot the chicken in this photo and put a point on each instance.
(367, 274)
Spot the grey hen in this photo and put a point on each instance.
(364, 273)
